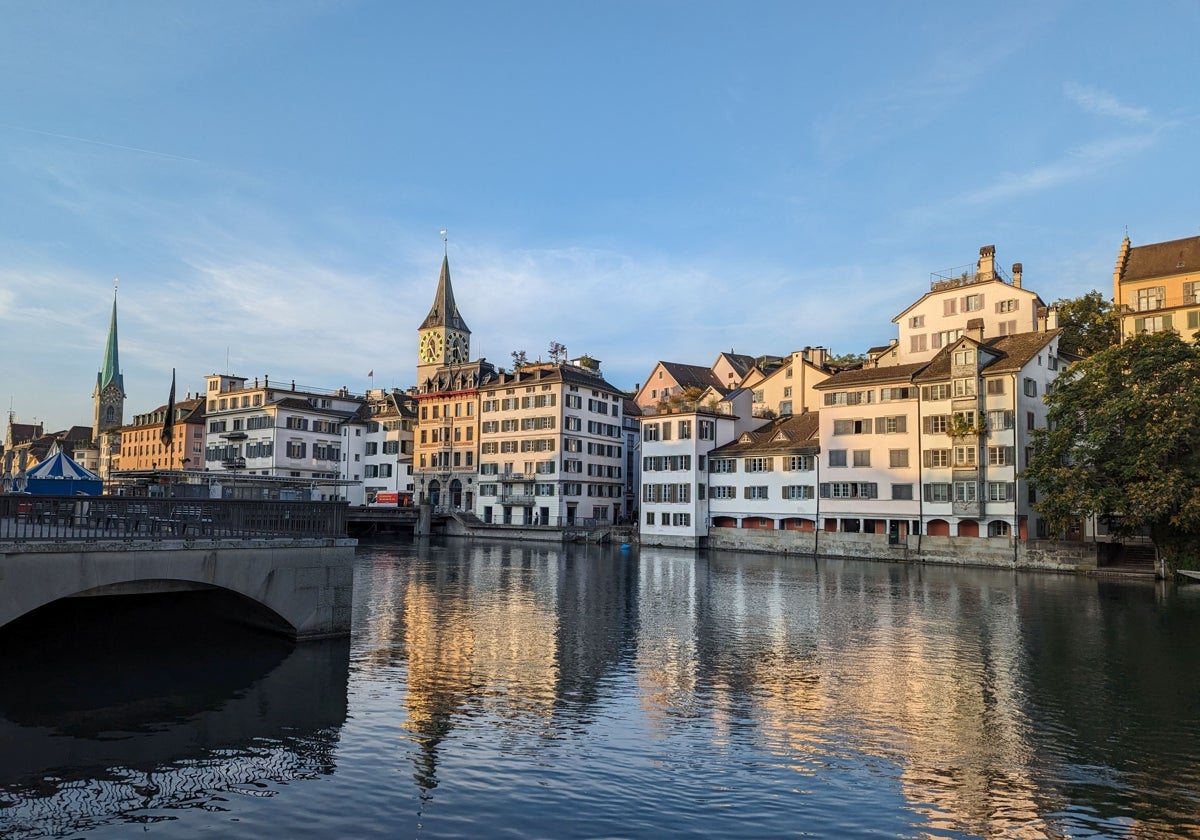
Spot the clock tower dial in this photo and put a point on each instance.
(431, 347)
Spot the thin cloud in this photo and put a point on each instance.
(1104, 104)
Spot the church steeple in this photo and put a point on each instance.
(109, 397)
(444, 312)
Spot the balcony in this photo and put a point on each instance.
(234, 463)
(517, 499)
(236, 434)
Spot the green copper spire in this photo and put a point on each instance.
(110, 369)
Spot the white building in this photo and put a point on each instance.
(959, 295)
(767, 477)
(388, 447)
(676, 442)
(551, 446)
(276, 430)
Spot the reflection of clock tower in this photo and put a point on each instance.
(443, 338)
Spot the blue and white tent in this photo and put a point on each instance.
(60, 475)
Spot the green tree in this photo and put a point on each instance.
(846, 361)
(1089, 324)
(1124, 443)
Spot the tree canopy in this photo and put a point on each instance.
(1124, 443)
(1089, 324)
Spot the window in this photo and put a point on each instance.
(932, 393)
(798, 491)
(897, 458)
(1030, 387)
(1154, 324)
(862, 457)
(666, 431)
(897, 424)
(937, 492)
(849, 490)
(754, 465)
(964, 356)
(649, 431)
(1002, 456)
(1000, 419)
(999, 491)
(1191, 292)
(972, 303)
(902, 492)
(966, 491)
(649, 517)
(905, 392)
(722, 465)
(681, 519)
(918, 343)
(797, 463)
(946, 337)
(837, 457)
(950, 306)
(852, 427)
(916, 321)
(995, 386)
(998, 528)
(1009, 305)
(759, 492)
(685, 429)
(758, 396)
(1151, 298)
(722, 492)
(1006, 328)
(934, 458)
(706, 429)
(937, 424)
(964, 387)
(965, 456)
(849, 397)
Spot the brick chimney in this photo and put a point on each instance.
(1016, 274)
(986, 267)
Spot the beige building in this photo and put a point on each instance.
(1157, 287)
(789, 386)
(142, 441)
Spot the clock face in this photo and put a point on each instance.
(458, 348)
(431, 347)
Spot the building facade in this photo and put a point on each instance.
(1157, 287)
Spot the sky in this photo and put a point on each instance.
(636, 180)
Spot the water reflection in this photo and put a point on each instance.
(134, 710)
(984, 700)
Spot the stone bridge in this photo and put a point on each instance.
(305, 584)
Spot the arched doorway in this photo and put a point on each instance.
(435, 492)
(456, 493)
(968, 528)
(724, 522)
(938, 528)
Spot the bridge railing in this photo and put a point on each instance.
(24, 517)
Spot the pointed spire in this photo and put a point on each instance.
(444, 312)
(110, 368)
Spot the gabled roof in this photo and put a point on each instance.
(691, 376)
(869, 376)
(444, 312)
(740, 362)
(970, 289)
(1162, 259)
(1011, 353)
(793, 433)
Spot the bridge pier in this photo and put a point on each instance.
(307, 583)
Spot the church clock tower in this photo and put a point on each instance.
(443, 337)
(108, 400)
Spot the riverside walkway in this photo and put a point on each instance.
(291, 558)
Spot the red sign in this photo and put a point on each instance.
(387, 498)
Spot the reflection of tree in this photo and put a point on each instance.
(157, 720)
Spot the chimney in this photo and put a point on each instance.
(974, 330)
(1017, 275)
(987, 262)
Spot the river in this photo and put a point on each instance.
(524, 691)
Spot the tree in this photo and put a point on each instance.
(519, 359)
(1089, 324)
(847, 361)
(558, 352)
(1124, 443)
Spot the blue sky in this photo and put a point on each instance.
(638, 180)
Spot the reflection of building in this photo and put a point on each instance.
(1157, 287)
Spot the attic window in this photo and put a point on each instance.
(745, 438)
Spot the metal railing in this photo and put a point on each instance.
(24, 517)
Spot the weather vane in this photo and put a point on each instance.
(446, 241)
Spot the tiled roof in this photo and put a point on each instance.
(740, 363)
(869, 376)
(1014, 352)
(691, 376)
(1162, 259)
(567, 373)
(793, 433)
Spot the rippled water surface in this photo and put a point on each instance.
(502, 690)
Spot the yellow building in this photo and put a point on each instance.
(142, 440)
(1157, 287)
